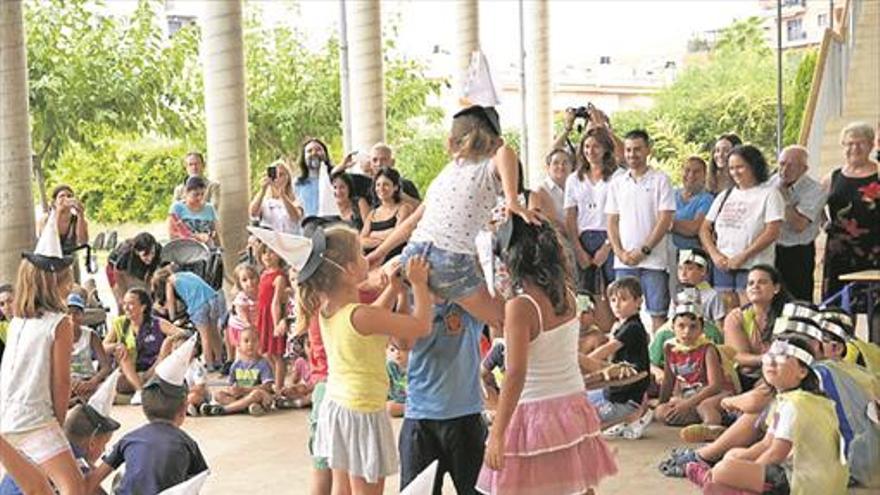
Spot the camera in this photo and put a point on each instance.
(272, 172)
(581, 112)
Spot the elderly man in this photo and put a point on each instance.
(381, 156)
(804, 204)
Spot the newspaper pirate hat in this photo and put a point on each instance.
(47, 255)
(171, 371)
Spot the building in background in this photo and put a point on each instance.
(803, 21)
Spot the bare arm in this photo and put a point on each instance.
(614, 235)
(170, 299)
(278, 295)
(61, 348)
(767, 237)
(715, 377)
(370, 320)
(688, 228)
(660, 228)
(103, 359)
(668, 383)
(606, 350)
(796, 219)
(776, 453)
(257, 203)
(398, 236)
(735, 337)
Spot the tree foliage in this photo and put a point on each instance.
(114, 98)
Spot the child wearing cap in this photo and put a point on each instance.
(801, 451)
(193, 218)
(458, 204)
(35, 373)
(693, 270)
(250, 382)
(694, 380)
(86, 346)
(160, 454)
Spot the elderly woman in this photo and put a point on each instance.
(853, 210)
(135, 340)
(390, 212)
(719, 178)
(275, 205)
(741, 227)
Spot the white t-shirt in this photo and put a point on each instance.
(458, 205)
(589, 199)
(274, 215)
(782, 422)
(638, 203)
(743, 218)
(196, 374)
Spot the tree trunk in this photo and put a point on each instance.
(367, 77)
(539, 109)
(467, 40)
(226, 119)
(17, 230)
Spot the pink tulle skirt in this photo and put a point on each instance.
(552, 446)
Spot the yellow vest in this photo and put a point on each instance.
(357, 379)
(817, 459)
(869, 352)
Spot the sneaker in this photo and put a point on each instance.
(284, 403)
(225, 370)
(636, 429)
(211, 410)
(256, 409)
(136, 399)
(701, 433)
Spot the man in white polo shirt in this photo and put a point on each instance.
(640, 207)
(804, 205)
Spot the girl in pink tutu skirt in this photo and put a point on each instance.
(545, 437)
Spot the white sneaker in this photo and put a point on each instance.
(636, 429)
(136, 399)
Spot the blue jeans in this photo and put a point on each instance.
(655, 288)
(593, 279)
(729, 280)
(453, 276)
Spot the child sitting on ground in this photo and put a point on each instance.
(84, 378)
(693, 272)
(246, 312)
(694, 382)
(298, 384)
(801, 451)
(250, 382)
(160, 454)
(628, 344)
(398, 358)
(196, 377)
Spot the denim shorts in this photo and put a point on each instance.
(453, 276)
(729, 280)
(214, 311)
(593, 279)
(655, 287)
(610, 412)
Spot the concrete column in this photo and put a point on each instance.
(539, 111)
(17, 229)
(467, 39)
(226, 120)
(366, 73)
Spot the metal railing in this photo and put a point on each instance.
(828, 90)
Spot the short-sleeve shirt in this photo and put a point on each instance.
(198, 222)
(157, 456)
(458, 205)
(808, 197)
(397, 380)
(638, 202)
(196, 374)
(443, 379)
(781, 423)
(124, 258)
(688, 210)
(250, 373)
(743, 217)
(665, 334)
(589, 199)
(306, 189)
(634, 338)
(194, 291)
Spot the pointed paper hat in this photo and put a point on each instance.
(478, 87)
(170, 371)
(423, 484)
(191, 486)
(101, 403)
(48, 256)
(304, 254)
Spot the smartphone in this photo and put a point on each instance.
(272, 172)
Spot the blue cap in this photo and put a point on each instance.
(76, 301)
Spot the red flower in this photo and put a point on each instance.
(852, 227)
(871, 192)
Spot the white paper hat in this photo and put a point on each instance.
(172, 369)
(191, 486)
(102, 400)
(47, 255)
(423, 484)
(478, 86)
(293, 249)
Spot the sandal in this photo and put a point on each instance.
(672, 469)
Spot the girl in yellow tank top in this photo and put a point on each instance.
(801, 453)
(354, 432)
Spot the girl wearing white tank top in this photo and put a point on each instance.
(35, 374)
(546, 436)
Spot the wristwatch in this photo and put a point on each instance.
(646, 250)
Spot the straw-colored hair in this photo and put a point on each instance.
(472, 138)
(38, 291)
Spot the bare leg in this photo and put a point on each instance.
(710, 409)
(741, 433)
(65, 474)
(280, 371)
(359, 486)
(657, 322)
(485, 308)
(257, 396)
(205, 333)
(737, 473)
(321, 481)
(130, 381)
(340, 485)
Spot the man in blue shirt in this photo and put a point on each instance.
(692, 202)
(443, 418)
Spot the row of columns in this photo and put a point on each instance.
(226, 108)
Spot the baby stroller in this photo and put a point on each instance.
(193, 256)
